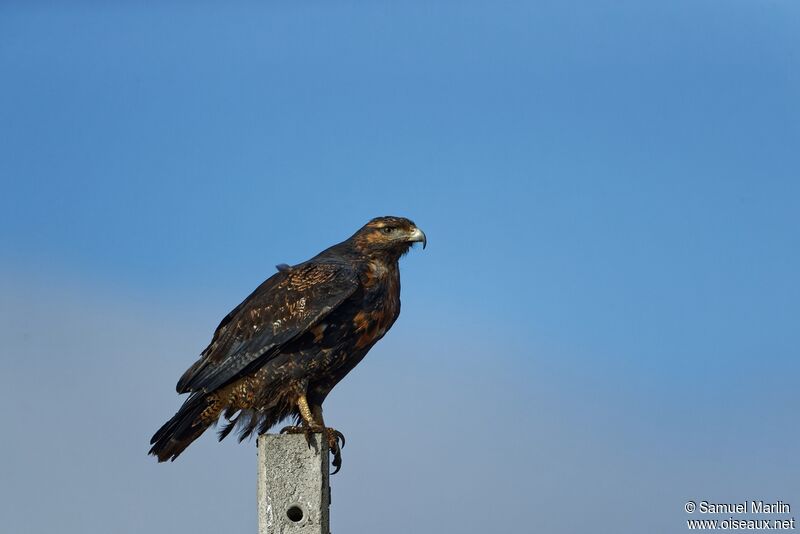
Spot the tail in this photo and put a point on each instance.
(184, 427)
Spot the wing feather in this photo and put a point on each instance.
(280, 310)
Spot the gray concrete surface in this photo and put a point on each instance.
(293, 485)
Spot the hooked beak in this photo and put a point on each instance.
(418, 236)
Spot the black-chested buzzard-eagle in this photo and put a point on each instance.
(280, 352)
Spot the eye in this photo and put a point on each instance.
(387, 229)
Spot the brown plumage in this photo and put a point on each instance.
(280, 352)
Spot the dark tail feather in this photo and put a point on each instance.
(222, 434)
(247, 422)
(184, 427)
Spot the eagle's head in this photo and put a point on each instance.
(388, 236)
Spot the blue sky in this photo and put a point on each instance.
(603, 326)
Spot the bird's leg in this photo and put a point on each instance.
(308, 426)
(313, 422)
(305, 411)
(332, 436)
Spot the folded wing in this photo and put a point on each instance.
(280, 310)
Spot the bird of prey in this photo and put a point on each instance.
(280, 352)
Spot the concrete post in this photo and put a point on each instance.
(293, 485)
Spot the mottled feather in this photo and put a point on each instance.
(282, 308)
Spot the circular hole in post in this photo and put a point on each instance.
(295, 513)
